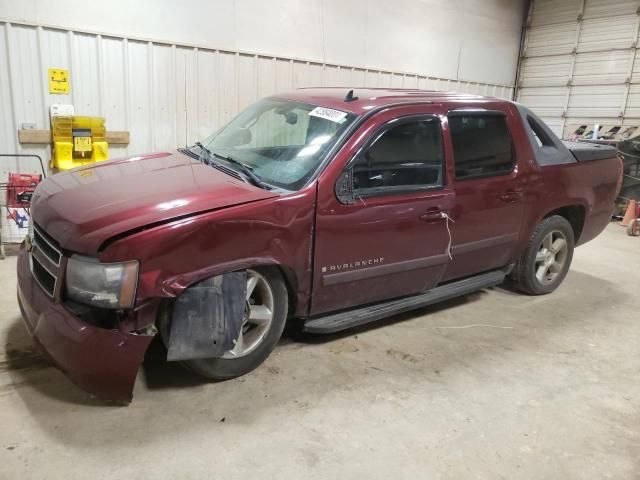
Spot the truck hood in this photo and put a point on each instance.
(83, 207)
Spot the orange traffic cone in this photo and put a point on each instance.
(630, 214)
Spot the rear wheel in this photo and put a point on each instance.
(263, 323)
(546, 261)
(633, 229)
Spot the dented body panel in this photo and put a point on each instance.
(276, 231)
(100, 361)
(123, 195)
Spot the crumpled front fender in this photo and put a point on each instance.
(102, 362)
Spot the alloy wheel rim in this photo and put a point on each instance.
(257, 318)
(551, 257)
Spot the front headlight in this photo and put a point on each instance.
(106, 285)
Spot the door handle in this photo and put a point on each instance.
(432, 215)
(511, 195)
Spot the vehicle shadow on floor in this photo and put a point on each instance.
(160, 374)
(47, 393)
(26, 367)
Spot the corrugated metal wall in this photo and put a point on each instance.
(166, 95)
(579, 65)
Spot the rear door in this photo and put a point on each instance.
(489, 191)
(379, 233)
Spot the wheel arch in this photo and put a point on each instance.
(174, 286)
(575, 214)
(186, 345)
(291, 282)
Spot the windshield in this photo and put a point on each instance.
(282, 142)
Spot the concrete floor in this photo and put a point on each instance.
(494, 385)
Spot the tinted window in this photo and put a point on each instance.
(481, 145)
(407, 156)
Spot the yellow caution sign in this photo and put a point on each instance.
(82, 144)
(58, 81)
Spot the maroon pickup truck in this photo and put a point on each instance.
(322, 206)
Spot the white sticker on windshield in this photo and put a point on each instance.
(328, 114)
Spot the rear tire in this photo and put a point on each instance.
(234, 365)
(633, 229)
(547, 258)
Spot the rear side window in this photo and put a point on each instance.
(407, 156)
(481, 145)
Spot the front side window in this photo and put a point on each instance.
(407, 156)
(282, 142)
(481, 145)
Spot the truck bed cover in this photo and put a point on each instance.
(584, 152)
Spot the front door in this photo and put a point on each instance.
(385, 237)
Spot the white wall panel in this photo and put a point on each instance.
(633, 102)
(554, 124)
(547, 12)
(602, 68)
(228, 80)
(410, 81)
(475, 39)
(580, 64)
(171, 94)
(545, 101)
(605, 8)
(552, 70)
(247, 80)
(372, 79)
(114, 86)
(551, 40)
(186, 76)
(87, 79)
(600, 101)
(54, 51)
(208, 93)
(164, 88)
(141, 117)
(28, 89)
(607, 33)
(8, 131)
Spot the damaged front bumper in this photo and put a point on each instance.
(103, 362)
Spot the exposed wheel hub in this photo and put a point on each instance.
(551, 257)
(257, 318)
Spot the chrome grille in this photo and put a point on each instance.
(45, 258)
(44, 277)
(47, 245)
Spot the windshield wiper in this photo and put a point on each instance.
(246, 170)
(205, 150)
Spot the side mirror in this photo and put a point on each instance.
(344, 187)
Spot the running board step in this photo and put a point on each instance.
(352, 318)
